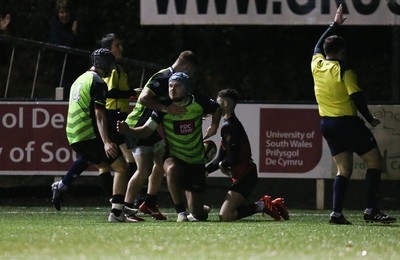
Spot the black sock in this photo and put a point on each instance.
(117, 199)
(373, 180)
(76, 169)
(339, 190)
(151, 200)
(246, 210)
(107, 183)
(180, 208)
(140, 198)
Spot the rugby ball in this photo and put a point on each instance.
(210, 149)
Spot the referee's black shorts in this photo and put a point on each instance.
(347, 134)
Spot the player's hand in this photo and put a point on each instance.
(137, 91)
(339, 18)
(122, 127)
(211, 130)
(75, 27)
(375, 122)
(111, 150)
(224, 170)
(174, 109)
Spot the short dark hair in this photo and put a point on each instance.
(63, 4)
(189, 57)
(229, 93)
(107, 40)
(334, 44)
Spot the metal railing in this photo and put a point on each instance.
(41, 46)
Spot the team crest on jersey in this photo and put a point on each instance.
(184, 127)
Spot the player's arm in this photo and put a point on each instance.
(213, 128)
(148, 99)
(214, 165)
(113, 83)
(217, 164)
(356, 95)
(338, 20)
(140, 132)
(117, 93)
(210, 106)
(231, 146)
(101, 120)
(99, 97)
(361, 105)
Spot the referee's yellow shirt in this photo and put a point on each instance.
(332, 90)
(119, 80)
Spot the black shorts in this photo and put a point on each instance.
(347, 134)
(93, 151)
(194, 177)
(112, 117)
(246, 184)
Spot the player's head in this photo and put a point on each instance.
(335, 46)
(102, 59)
(227, 99)
(186, 62)
(112, 42)
(179, 86)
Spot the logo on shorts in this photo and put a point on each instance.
(184, 127)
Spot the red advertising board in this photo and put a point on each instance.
(289, 140)
(33, 137)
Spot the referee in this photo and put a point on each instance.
(339, 98)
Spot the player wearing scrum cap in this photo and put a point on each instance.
(185, 156)
(235, 160)
(149, 152)
(87, 131)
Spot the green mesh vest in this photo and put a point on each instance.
(184, 134)
(80, 119)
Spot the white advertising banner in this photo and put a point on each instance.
(285, 139)
(287, 143)
(267, 12)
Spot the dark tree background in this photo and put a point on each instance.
(265, 63)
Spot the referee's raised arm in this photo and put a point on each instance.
(338, 20)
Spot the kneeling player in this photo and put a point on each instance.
(234, 160)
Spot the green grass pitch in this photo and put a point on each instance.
(84, 233)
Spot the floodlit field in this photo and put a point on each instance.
(84, 233)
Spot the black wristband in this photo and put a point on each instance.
(332, 24)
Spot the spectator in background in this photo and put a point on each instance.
(5, 19)
(4, 23)
(65, 30)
